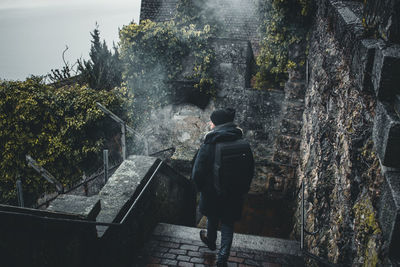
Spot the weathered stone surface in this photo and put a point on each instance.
(296, 92)
(383, 16)
(389, 212)
(239, 18)
(294, 111)
(346, 21)
(241, 243)
(88, 207)
(158, 10)
(386, 72)
(337, 161)
(288, 143)
(362, 64)
(290, 127)
(180, 126)
(397, 104)
(153, 193)
(122, 186)
(386, 134)
(234, 63)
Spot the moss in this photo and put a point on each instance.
(367, 231)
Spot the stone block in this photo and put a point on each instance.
(290, 127)
(363, 63)
(397, 104)
(345, 17)
(261, 135)
(282, 157)
(88, 207)
(389, 213)
(386, 72)
(383, 15)
(294, 111)
(288, 143)
(295, 91)
(386, 135)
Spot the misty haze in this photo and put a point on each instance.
(33, 36)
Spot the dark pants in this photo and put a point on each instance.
(226, 236)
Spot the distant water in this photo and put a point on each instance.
(32, 39)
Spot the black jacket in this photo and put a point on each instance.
(227, 208)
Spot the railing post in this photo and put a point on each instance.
(302, 215)
(307, 73)
(105, 160)
(20, 193)
(123, 140)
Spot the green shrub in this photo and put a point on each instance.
(153, 53)
(61, 128)
(285, 23)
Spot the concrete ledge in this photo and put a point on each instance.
(121, 188)
(386, 72)
(363, 61)
(386, 135)
(88, 207)
(397, 104)
(345, 18)
(389, 213)
(139, 204)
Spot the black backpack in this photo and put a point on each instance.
(233, 167)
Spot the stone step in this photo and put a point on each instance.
(173, 245)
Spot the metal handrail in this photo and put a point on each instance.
(91, 222)
(91, 178)
(125, 128)
(304, 231)
(141, 192)
(161, 151)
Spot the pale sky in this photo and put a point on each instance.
(34, 33)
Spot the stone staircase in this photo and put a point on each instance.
(173, 245)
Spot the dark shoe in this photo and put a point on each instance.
(222, 264)
(203, 237)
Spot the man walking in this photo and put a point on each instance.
(222, 173)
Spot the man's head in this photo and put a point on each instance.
(222, 116)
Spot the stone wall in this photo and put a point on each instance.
(158, 10)
(237, 19)
(183, 125)
(350, 131)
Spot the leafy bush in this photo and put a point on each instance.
(284, 24)
(153, 55)
(61, 128)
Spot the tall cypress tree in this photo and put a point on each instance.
(103, 70)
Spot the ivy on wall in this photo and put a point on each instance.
(284, 23)
(61, 128)
(156, 53)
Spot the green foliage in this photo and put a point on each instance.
(284, 24)
(153, 55)
(61, 128)
(103, 70)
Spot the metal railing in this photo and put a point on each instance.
(304, 232)
(125, 128)
(139, 196)
(74, 187)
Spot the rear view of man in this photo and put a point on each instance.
(222, 173)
